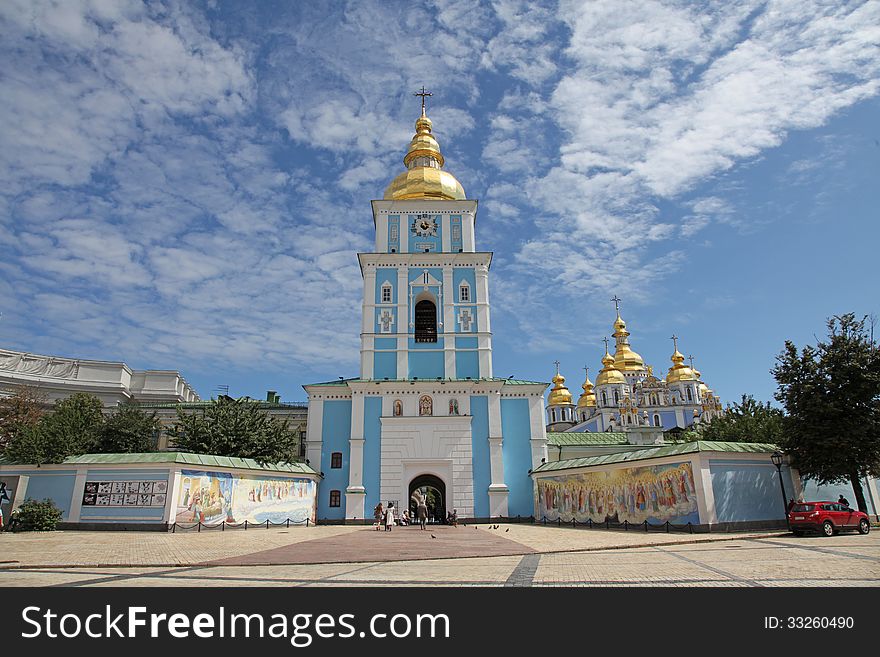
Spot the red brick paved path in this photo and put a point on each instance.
(400, 544)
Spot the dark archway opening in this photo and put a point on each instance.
(434, 490)
(426, 321)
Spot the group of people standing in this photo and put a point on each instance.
(387, 517)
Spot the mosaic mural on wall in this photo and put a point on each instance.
(658, 494)
(215, 497)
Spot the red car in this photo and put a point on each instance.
(827, 518)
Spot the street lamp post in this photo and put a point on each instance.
(777, 457)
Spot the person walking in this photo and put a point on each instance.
(421, 508)
(379, 515)
(389, 517)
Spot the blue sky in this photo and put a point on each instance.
(185, 186)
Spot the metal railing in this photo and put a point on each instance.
(645, 526)
(238, 525)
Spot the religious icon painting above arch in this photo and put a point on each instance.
(426, 405)
(453, 406)
(398, 408)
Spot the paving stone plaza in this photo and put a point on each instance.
(511, 555)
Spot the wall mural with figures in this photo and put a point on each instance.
(658, 494)
(215, 497)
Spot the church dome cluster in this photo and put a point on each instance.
(628, 394)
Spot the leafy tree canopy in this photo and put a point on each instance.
(22, 409)
(749, 421)
(831, 395)
(73, 427)
(129, 430)
(235, 427)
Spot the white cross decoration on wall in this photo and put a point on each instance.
(386, 319)
(465, 319)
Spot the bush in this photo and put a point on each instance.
(38, 516)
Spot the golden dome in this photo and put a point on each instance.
(625, 359)
(679, 371)
(424, 176)
(609, 373)
(559, 395)
(588, 399)
(703, 388)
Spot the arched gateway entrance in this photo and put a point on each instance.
(434, 490)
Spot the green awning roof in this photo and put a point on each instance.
(182, 458)
(657, 452)
(574, 438)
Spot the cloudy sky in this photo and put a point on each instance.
(185, 186)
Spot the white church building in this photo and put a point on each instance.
(426, 410)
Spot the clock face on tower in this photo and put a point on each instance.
(424, 225)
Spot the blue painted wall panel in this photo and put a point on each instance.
(748, 490)
(480, 454)
(372, 451)
(381, 344)
(56, 487)
(335, 434)
(385, 365)
(466, 343)
(517, 455)
(426, 364)
(467, 364)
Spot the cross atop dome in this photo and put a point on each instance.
(424, 93)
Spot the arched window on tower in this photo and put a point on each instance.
(426, 321)
(616, 397)
(464, 292)
(690, 394)
(656, 420)
(604, 399)
(552, 415)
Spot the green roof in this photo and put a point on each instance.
(657, 452)
(510, 382)
(183, 458)
(573, 438)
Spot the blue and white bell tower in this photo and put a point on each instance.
(426, 409)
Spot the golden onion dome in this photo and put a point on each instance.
(424, 177)
(704, 389)
(559, 395)
(609, 374)
(588, 398)
(625, 359)
(679, 371)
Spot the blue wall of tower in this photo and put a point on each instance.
(517, 455)
(335, 436)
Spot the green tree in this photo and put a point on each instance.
(23, 408)
(749, 421)
(831, 395)
(73, 427)
(235, 427)
(129, 430)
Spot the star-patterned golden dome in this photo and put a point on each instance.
(424, 177)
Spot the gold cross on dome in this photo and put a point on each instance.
(605, 339)
(424, 93)
(556, 362)
(674, 339)
(616, 301)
